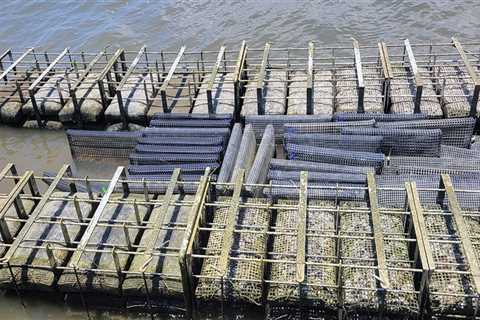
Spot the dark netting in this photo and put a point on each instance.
(335, 156)
(230, 154)
(455, 152)
(427, 170)
(172, 158)
(283, 189)
(194, 116)
(182, 141)
(452, 163)
(404, 141)
(259, 122)
(318, 177)
(296, 165)
(186, 132)
(191, 123)
(325, 127)
(144, 148)
(265, 152)
(166, 168)
(246, 151)
(320, 256)
(455, 131)
(335, 141)
(378, 117)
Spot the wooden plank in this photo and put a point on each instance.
(7, 52)
(383, 61)
(87, 71)
(310, 84)
(377, 232)
(387, 60)
(131, 68)
(96, 217)
(418, 78)
(34, 215)
(15, 63)
(110, 64)
(302, 227)
(261, 80)
(242, 53)
(360, 80)
(159, 221)
(232, 214)
(213, 76)
(462, 229)
(14, 193)
(166, 81)
(8, 167)
(472, 73)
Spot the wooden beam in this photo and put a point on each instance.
(13, 196)
(302, 227)
(96, 217)
(166, 81)
(463, 232)
(360, 81)
(261, 80)
(15, 63)
(213, 77)
(238, 77)
(418, 78)
(45, 72)
(377, 232)
(472, 73)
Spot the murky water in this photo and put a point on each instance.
(169, 24)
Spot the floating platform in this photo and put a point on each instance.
(83, 89)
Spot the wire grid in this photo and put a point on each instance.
(148, 149)
(231, 154)
(320, 288)
(278, 121)
(378, 117)
(246, 152)
(326, 127)
(141, 182)
(159, 250)
(404, 142)
(335, 156)
(30, 263)
(317, 177)
(431, 162)
(188, 168)
(451, 288)
(243, 278)
(456, 132)
(183, 141)
(297, 165)
(266, 150)
(191, 123)
(455, 152)
(363, 143)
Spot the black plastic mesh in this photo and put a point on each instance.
(144, 148)
(456, 131)
(296, 165)
(277, 121)
(182, 141)
(196, 116)
(186, 132)
(318, 177)
(335, 156)
(452, 163)
(172, 158)
(246, 151)
(191, 123)
(455, 152)
(188, 168)
(404, 141)
(157, 188)
(348, 142)
(378, 117)
(326, 127)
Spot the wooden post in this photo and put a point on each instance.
(310, 79)
(212, 79)
(238, 78)
(418, 78)
(360, 81)
(302, 229)
(261, 80)
(165, 83)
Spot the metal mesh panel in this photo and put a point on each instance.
(451, 163)
(190, 123)
(378, 117)
(240, 282)
(246, 152)
(171, 158)
(277, 121)
(142, 148)
(455, 132)
(288, 189)
(425, 170)
(296, 165)
(223, 95)
(166, 168)
(322, 288)
(265, 152)
(231, 154)
(455, 152)
(335, 156)
(349, 142)
(404, 141)
(182, 141)
(190, 116)
(317, 177)
(186, 132)
(327, 127)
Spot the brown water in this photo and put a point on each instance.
(167, 24)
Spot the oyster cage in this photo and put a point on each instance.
(303, 250)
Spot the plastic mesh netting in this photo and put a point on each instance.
(318, 177)
(231, 154)
(456, 94)
(182, 141)
(455, 152)
(348, 142)
(191, 123)
(147, 149)
(166, 168)
(171, 158)
(246, 151)
(326, 127)
(378, 117)
(297, 165)
(261, 164)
